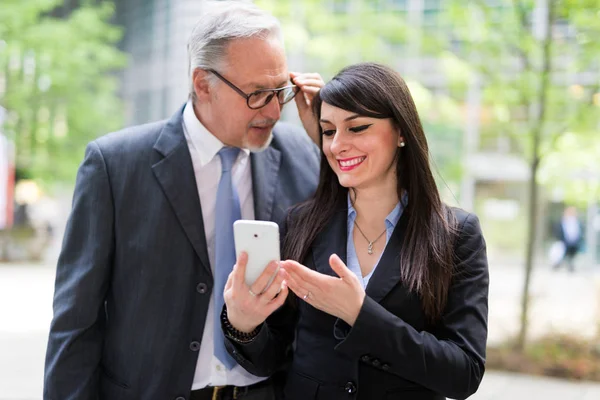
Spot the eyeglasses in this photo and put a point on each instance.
(262, 97)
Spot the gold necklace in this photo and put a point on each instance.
(370, 248)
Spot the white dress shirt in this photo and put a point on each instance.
(571, 229)
(204, 147)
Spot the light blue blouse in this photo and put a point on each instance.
(390, 223)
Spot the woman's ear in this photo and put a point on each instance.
(401, 142)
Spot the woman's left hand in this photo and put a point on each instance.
(341, 297)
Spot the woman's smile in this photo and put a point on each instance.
(348, 164)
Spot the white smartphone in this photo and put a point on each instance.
(260, 239)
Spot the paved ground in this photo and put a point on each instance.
(561, 302)
(505, 386)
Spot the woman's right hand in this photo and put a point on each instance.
(248, 307)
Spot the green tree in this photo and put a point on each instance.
(574, 169)
(538, 64)
(57, 83)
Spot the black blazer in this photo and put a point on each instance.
(391, 352)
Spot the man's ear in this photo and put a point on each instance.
(201, 85)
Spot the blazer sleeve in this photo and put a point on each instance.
(272, 347)
(450, 359)
(82, 279)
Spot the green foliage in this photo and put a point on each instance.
(498, 43)
(331, 36)
(540, 74)
(60, 88)
(574, 167)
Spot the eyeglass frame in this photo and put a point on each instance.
(247, 96)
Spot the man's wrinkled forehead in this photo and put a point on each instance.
(258, 64)
(270, 79)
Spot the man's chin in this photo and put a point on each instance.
(254, 148)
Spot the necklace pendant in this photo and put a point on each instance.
(370, 249)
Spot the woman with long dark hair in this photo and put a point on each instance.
(390, 285)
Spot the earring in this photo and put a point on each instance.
(402, 144)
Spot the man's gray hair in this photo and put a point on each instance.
(221, 22)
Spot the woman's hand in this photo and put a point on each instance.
(309, 85)
(341, 297)
(248, 307)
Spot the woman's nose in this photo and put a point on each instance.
(339, 143)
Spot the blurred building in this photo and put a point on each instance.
(156, 32)
(155, 84)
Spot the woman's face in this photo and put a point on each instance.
(360, 150)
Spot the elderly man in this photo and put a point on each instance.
(149, 243)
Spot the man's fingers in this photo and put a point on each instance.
(274, 288)
(260, 285)
(229, 282)
(239, 271)
(279, 300)
(310, 89)
(306, 75)
(302, 82)
(301, 102)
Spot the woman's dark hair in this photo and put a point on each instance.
(376, 91)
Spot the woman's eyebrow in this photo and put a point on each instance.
(350, 118)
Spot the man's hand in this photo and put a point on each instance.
(309, 84)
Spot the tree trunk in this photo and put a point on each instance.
(536, 131)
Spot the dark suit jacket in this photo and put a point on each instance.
(559, 233)
(391, 352)
(133, 280)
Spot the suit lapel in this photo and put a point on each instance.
(333, 239)
(265, 168)
(387, 274)
(175, 173)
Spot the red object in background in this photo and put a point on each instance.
(10, 195)
(7, 183)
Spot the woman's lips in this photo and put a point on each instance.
(348, 164)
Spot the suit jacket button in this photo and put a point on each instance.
(194, 346)
(376, 363)
(365, 358)
(385, 367)
(350, 388)
(201, 288)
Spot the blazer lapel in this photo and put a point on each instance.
(333, 239)
(175, 173)
(265, 167)
(387, 273)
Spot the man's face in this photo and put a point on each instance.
(250, 64)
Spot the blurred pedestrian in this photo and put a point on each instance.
(569, 232)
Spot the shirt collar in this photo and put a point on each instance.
(206, 144)
(392, 218)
